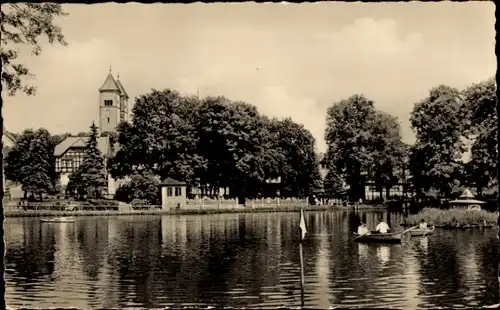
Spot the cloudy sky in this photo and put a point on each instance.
(288, 60)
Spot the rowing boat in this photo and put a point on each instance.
(377, 237)
(394, 237)
(58, 220)
(422, 232)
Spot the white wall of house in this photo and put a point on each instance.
(170, 196)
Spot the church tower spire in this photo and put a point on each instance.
(109, 104)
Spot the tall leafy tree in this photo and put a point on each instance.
(24, 25)
(363, 144)
(37, 174)
(478, 108)
(298, 162)
(334, 185)
(32, 155)
(19, 156)
(348, 137)
(161, 137)
(90, 177)
(388, 152)
(232, 139)
(435, 158)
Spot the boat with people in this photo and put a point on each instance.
(417, 232)
(58, 220)
(381, 237)
(378, 237)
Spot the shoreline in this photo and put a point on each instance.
(453, 218)
(456, 227)
(182, 211)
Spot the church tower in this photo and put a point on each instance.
(123, 101)
(113, 104)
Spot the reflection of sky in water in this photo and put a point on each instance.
(411, 279)
(323, 272)
(240, 260)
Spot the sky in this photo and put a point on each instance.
(289, 60)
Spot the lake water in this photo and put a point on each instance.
(242, 260)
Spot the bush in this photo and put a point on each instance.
(104, 204)
(143, 187)
(124, 193)
(139, 202)
(452, 217)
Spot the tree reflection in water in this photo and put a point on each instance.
(242, 260)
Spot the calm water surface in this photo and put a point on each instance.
(241, 260)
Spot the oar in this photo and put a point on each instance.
(366, 233)
(405, 231)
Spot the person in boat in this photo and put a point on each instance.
(362, 230)
(382, 227)
(422, 225)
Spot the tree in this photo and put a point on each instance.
(32, 155)
(348, 137)
(435, 158)
(231, 140)
(24, 24)
(297, 160)
(90, 177)
(141, 186)
(213, 143)
(334, 185)
(162, 138)
(478, 108)
(37, 174)
(18, 157)
(388, 151)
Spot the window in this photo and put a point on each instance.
(108, 103)
(178, 191)
(169, 192)
(70, 161)
(67, 165)
(108, 119)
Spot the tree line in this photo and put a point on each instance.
(364, 144)
(214, 143)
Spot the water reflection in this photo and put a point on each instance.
(383, 253)
(242, 260)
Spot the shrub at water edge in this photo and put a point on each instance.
(452, 218)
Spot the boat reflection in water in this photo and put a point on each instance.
(384, 253)
(241, 260)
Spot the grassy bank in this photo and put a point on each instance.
(453, 218)
(186, 211)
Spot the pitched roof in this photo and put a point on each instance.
(110, 84)
(8, 141)
(122, 89)
(172, 182)
(71, 142)
(467, 194)
(10, 136)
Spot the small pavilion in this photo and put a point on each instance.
(173, 192)
(466, 201)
